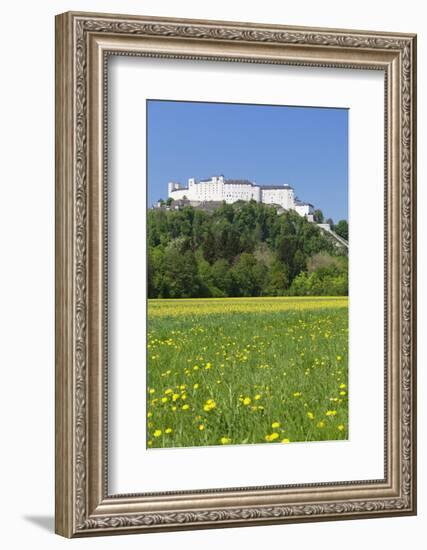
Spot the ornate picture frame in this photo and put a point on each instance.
(84, 42)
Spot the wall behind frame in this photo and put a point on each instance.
(27, 273)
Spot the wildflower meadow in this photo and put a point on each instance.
(228, 371)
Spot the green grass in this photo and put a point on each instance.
(251, 370)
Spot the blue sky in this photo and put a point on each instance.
(305, 147)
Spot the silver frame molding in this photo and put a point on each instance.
(83, 43)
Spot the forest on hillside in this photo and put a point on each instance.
(242, 249)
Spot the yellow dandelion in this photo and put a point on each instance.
(257, 397)
(151, 391)
(149, 414)
(150, 443)
(164, 399)
(168, 391)
(310, 415)
(157, 433)
(196, 386)
(343, 393)
(272, 437)
(341, 427)
(168, 431)
(185, 407)
(275, 425)
(331, 413)
(285, 440)
(201, 427)
(225, 440)
(339, 358)
(209, 405)
(321, 424)
(175, 396)
(343, 386)
(297, 394)
(247, 401)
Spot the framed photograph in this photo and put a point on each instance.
(235, 274)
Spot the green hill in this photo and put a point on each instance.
(243, 249)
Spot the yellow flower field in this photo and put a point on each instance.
(246, 370)
(199, 306)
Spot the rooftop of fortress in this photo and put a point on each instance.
(240, 182)
(302, 203)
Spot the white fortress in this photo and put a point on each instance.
(219, 189)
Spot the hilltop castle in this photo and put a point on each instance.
(219, 189)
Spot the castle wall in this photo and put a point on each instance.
(178, 194)
(211, 190)
(283, 197)
(304, 209)
(241, 192)
(217, 190)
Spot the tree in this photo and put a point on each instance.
(286, 249)
(155, 272)
(208, 247)
(298, 263)
(241, 249)
(180, 278)
(204, 271)
(341, 229)
(299, 285)
(318, 216)
(249, 275)
(169, 201)
(223, 278)
(324, 281)
(322, 260)
(278, 280)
